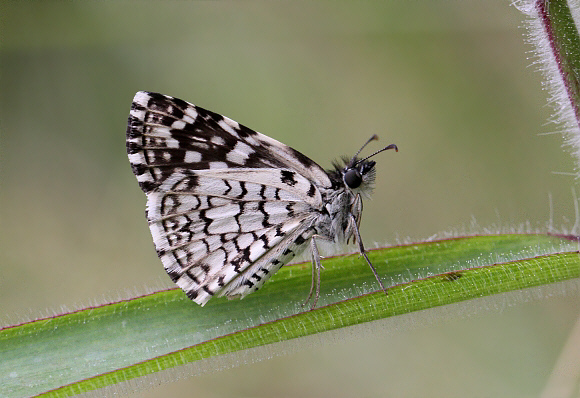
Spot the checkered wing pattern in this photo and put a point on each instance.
(227, 206)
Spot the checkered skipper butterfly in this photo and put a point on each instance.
(228, 206)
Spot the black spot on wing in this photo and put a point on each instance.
(147, 186)
(181, 104)
(243, 257)
(193, 277)
(133, 147)
(134, 125)
(265, 222)
(206, 245)
(206, 220)
(311, 191)
(264, 239)
(174, 275)
(157, 101)
(228, 186)
(137, 106)
(139, 169)
(299, 240)
(237, 218)
(205, 268)
(186, 184)
(244, 190)
(244, 131)
(287, 177)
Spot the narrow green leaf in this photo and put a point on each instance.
(102, 346)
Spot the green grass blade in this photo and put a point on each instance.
(102, 346)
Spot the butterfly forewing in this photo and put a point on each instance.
(166, 134)
(227, 206)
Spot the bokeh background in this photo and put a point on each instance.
(452, 83)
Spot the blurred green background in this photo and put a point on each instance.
(452, 83)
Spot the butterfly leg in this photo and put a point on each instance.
(362, 251)
(316, 266)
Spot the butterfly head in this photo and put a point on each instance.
(359, 174)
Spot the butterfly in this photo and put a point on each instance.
(228, 206)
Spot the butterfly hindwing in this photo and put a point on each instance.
(208, 234)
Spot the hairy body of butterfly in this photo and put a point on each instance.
(227, 206)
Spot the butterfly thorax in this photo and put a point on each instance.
(343, 203)
(334, 222)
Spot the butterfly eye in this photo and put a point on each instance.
(352, 178)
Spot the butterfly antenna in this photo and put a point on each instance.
(374, 137)
(392, 146)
